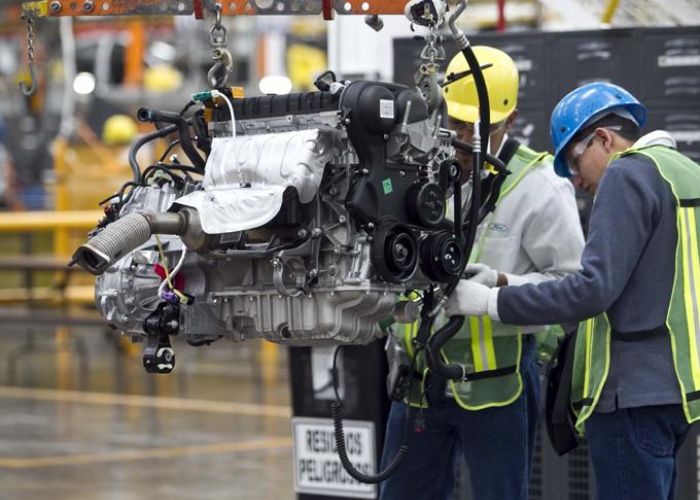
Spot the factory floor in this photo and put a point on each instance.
(79, 419)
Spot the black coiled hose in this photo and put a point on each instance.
(337, 412)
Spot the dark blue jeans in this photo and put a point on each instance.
(633, 451)
(497, 444)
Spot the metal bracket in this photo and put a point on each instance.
(158, 355)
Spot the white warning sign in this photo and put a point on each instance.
(317, 468)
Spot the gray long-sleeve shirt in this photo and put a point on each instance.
(627, 271)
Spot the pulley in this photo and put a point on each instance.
(395, 252)
(425, 204)
(441, 256)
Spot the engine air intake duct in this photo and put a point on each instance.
(281, 105)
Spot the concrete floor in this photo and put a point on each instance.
(217, 428)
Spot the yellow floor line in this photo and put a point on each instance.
(144, 454)
(103, 398)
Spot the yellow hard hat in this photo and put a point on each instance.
(162, 78)
(305, 63)
(119, 129)
(502, 81)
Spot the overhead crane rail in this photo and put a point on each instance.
(198, 8)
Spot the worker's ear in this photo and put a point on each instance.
(511, 119)
(607, 139)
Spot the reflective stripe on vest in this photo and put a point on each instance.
(482, 343)
(491, 363)
(592, 356)
(691, 279)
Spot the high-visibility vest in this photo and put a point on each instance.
(592, 350)
(490, 351)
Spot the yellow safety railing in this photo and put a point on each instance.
(49, 220)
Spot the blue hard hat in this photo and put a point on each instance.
(575, 110)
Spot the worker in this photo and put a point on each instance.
(636, 368)
(119, 130)
(533, 235)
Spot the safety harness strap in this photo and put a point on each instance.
(689, 202)
(498, 372)
(577, 405)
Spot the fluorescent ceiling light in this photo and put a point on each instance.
(84, 83)
(275, 85)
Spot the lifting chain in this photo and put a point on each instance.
(223, 61)
(426, 76)
(32, 88)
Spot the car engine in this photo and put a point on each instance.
(315, 212)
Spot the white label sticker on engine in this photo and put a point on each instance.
(317, 468)
(386, 108)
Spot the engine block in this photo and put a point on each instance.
(307, 225)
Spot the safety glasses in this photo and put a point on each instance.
(575, 153)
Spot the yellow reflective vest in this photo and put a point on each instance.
(490, 351)
(592, 350)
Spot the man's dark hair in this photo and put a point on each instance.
(628, 129)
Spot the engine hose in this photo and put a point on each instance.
(444, 334)
(484, 126)
(488, 204)
(337, 412)
(183, 129)
(138, 144)
(492, 160)
(200, 128)
(124, 235)
(457, 215)
(434, 345)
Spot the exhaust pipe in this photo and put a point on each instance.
(124, 235)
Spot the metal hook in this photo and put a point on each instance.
(31, 90)
(217, 31)
(217, 75)
(218, 36)
(217, 12)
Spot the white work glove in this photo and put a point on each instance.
(472, 299)
(483, 274)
